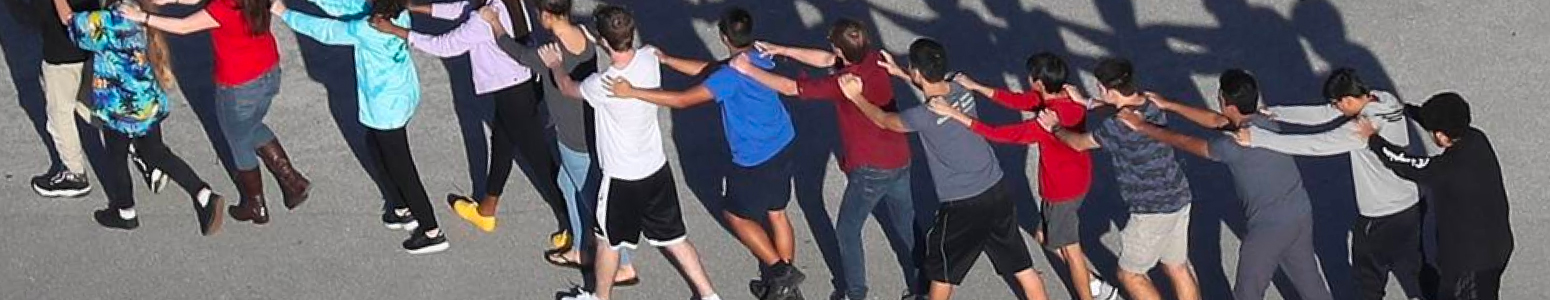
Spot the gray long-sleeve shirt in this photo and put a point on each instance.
(1379, 192)
(567, 113)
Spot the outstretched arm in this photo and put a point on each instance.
(195, 22)
(1203, 117)
(1078, 141)
(550, 54)
(696, 95)
(1305, 115)
(811, 57)
(781, 84)
(324, 30)
(1414, 168)
(686, 66)
(852, 86)
(1191, 144)
(1337, 141)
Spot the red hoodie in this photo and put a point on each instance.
(1065, 174)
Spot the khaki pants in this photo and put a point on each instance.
(62, 86)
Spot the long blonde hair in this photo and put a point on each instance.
(156, 51)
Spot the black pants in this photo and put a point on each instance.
(392, 148)
(119, 188)
(519, 126)
(1470, 285)
(1387, 244)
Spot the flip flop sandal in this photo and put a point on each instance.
(628, 282)
(557, 258)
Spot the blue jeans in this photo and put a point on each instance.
(574, 169)
(866, 187)
(241, 111)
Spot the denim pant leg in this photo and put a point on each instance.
(864, 188)
(900, 214)
(241, 111)
(572, 181)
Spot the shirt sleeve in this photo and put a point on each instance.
(324, 30)
(1025, 133)
(1414, 168)
(449, 10)
(1018, 101)
(821, 88)
(1305, 115)
(1340, 140)
(455, 42)
(720, 83)
(1223, 149)
(917, 117)
(1070, 113)
(341, 8)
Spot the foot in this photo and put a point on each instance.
(583, 295)
(210, 217)
(564, 259)
(61, 183)
(154, 177)
(251, 205)
(399, 219)
(626, 276)
(783, 282)
(113, 218)
(1102, 290)
(559, 240)
(468, 210)
(421, 243)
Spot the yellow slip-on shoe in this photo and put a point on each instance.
(469, 211)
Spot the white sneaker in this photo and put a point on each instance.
(582, 296)
(1102, 290)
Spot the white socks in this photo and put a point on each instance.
(204, 197)
(126, 213)
(711, 297)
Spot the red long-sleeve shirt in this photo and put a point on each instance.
(1065, 174)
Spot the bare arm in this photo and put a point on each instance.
(551, 57)
(691, 67)
(63, 9)
(1203, 117)
(1191, 144)
(696, 95)
(975, 86)
(781, 84)
(1078, 141)
(811, 57)
(852, 87)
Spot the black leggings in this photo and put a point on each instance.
(151, 149)
(518, 126)
(392, 148)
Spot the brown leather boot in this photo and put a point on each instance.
(292, 183)
(251, 206)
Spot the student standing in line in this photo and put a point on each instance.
(1065, 174)
(247, 76)
(875, 160)
(976, 214)
(637, 196)
(130, 71)
(1386, 237)
(63, 81)
(1279, 212)
(518, 125)
(1474, 231)
(758, 130)
(1152, 184)
(389, 92)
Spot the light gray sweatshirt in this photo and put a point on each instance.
(1379, 192)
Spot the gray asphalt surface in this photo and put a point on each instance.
(1493, 52)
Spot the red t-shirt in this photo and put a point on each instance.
(240, 55)
(1065, 174)
(865, 144)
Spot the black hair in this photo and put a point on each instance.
(256, 13)
(1116, 74)
(736, 25)
(1342, 83)
(1446, 113)
(1240, 90)
(850, 36)
(1048, 69)
(929, 58)
(616, 26)
(388, 9)
(555, 7)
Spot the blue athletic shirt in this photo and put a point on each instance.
(756, 121)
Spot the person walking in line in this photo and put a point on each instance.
(247, 76)
(1151, 182)
(63, 81)
(638, 196)
(130, 73)
(1065, 175)
(389, 92)
(1278, 209)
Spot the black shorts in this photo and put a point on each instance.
(628, 209)
(963, 229)
(754, 191)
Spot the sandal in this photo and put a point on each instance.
(557, 258)
(627, 282)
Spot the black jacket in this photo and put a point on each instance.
(58, 48)
(1470, 201)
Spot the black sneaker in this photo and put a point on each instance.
(394, 221)
(782, 282)
(210, 215)
(61, 184)
(418, 243)
(153, 177)
(109, 217)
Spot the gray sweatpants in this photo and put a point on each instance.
(1287, 244)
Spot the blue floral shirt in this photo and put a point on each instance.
(124, 92)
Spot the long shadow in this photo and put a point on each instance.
(24, 59)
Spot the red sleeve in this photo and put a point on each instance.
(1025, 133)
(1018, 101)
(820, 88)
(1071, 114)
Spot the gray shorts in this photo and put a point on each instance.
(1061, 224)
(1151, 238)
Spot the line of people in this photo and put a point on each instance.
(601, 88)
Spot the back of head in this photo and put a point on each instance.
(1447, 113)
(930, 59)
(555, 7)
(850, 37)
(736, 26)
(1240, 90)
(1049, 70)
(1116, 74)
(387, 8)
(616, 26)
(1342, 83)
(256, 13)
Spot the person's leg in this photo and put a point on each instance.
(940, 290)
(1063, 236)
(156, 153)
(119, 186)
(398, 162)
(1367, 265)
(1185, 286)
(689, 265)
(235, 109)
(952, 245)
(753, 237)
(1004, 243)
(521, 116)
(663, 226)
(864, 188)
(1175, 256)
(1141, 242)
(1262, 249)
(899, 218)
(1302, 267)
(603, 268)
(61, 87)
(1401, 236)
(572, 179)
(1033, 287)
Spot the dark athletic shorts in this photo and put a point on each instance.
(963, 229)
(628, 209)
(754, 191)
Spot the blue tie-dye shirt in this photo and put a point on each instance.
(124, 92)
(1149, 176)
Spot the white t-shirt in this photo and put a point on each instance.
(629, 141)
